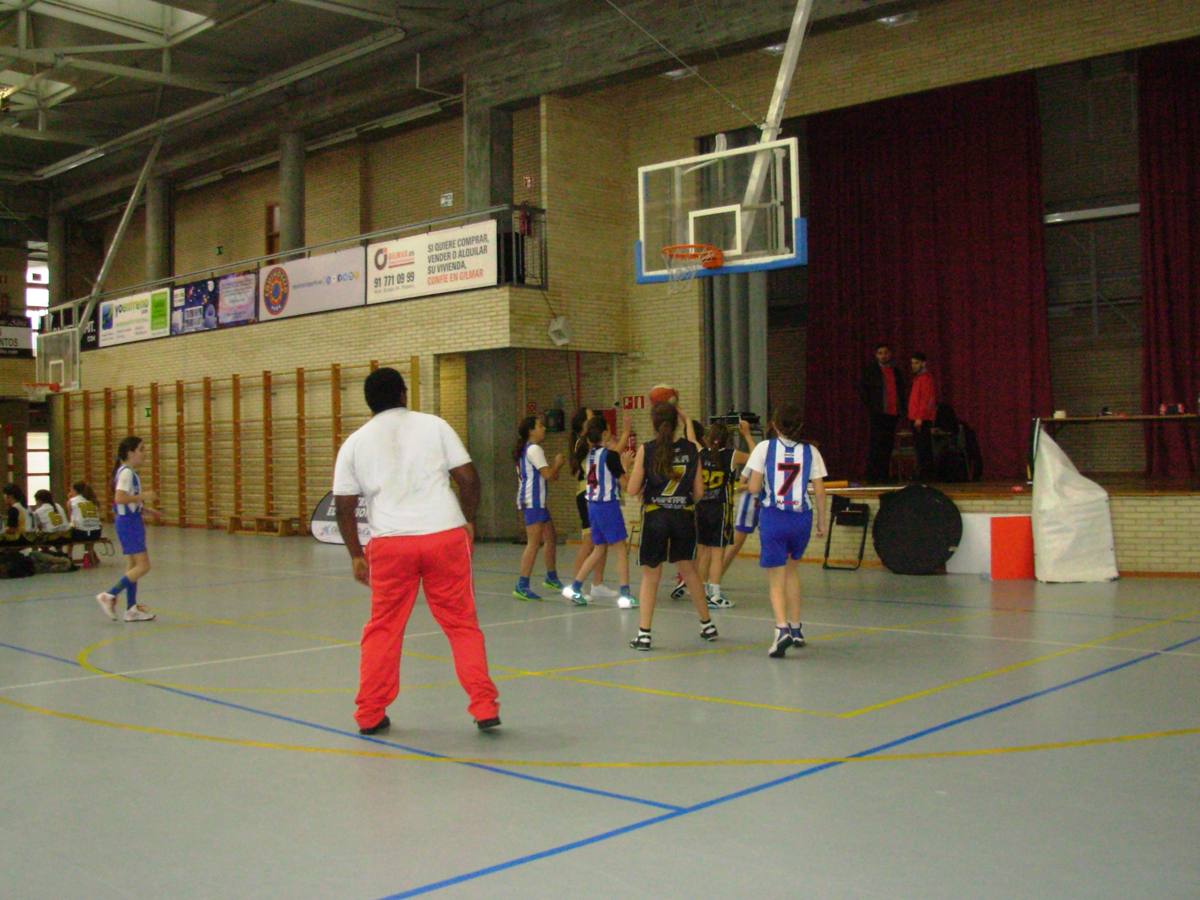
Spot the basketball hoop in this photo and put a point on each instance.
(38, 391)
(684, 261)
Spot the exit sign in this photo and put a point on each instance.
(633, 401)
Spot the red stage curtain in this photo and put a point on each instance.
(1169, 138)
(925, 231)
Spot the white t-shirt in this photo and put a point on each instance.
(787, 486)
(51, 519)
(400, 463)
(84, 514)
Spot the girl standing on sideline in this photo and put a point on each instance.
(129, 504)
(85, 521)
(666, 472)
(604, 473)
(533, 472)
(717, 464)
(780, 470)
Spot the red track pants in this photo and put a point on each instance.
(399, 565)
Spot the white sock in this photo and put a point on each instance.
(707, 589)
(716, 590)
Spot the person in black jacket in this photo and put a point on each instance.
(882, 390)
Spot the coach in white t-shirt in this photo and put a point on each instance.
(401, 462)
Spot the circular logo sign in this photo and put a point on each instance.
(381, 258)
(275, 291)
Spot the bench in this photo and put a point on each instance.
(281, 526)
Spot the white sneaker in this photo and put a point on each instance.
(574, 596)
(602, 592)
(626, 602)
(138, 613)
(108, 603)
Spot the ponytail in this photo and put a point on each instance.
(127, 446)
(84, 490)
(575, 442)
(665, 418)
(527, 425)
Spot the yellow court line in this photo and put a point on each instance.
(1004, 670)
(601, 764)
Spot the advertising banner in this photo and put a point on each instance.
(89, 334)
(194, 307)
(15, 337)
(136, 318)
(456, 259)
(323, 524)
(237, 298)
(332, 281)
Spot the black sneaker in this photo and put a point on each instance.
(797, 636)
(641, 642)
(487, 724)
(679, 591)
(783, 640)
(708, 631)
(382, 725)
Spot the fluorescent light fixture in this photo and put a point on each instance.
(677, 74)
(904, 18)
(774, 49)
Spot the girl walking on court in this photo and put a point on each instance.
(129, 506)
(604, 472)
(666, 472)
(781, 469)
(718, 461)
(533, 474)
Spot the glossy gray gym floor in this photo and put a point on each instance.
(939, 737)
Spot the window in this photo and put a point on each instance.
(37, 462)
(37, 295)
(272, 228)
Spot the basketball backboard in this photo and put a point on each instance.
(58, 358)
(744, 201)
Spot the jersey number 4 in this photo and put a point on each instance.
(592, 478)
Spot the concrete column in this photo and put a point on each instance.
(756, 338)
(291, 190)
(158, 229)
(488, 144)
(56, 243)
(491, 431)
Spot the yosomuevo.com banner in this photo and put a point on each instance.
(136, 318)
(319, 284)
(456, 259)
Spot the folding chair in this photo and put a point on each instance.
(849, 515)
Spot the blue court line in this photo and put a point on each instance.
(484, 767)
(777, 782)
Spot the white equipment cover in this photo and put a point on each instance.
(1072, 524)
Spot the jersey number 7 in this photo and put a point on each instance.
(792, 472)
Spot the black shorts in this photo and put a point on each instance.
(713, 527)
(581, 506)
(668, 535)
(77, 535)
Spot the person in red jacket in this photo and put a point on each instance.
(922, 409)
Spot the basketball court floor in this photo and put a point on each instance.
(939, 737)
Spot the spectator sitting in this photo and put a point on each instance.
(85, 522)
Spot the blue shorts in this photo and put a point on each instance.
(536, 516)
(131, 532)
(783, 535)
(745, 518)
(608, 525)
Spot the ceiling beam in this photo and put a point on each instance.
(48, 135)
(55, 58)
(345, 9)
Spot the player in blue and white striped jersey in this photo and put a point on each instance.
(604, 474)
(129, 504)
(781, 469)
(533, 476)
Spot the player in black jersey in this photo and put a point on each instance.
(666, 472)
(714, 514)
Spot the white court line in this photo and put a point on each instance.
(258, 656)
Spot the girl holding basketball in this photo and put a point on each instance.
(605, 473)
(666, 472)
(579, 448)
(129, 506)
(533, 474)
(781, 469)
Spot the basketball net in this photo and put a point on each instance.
(684, 261)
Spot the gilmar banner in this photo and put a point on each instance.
(319, 284)
(136, 318)
(16, 338)
(456, 259)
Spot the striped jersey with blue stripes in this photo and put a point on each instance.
(603, 485)
(531, 485)
(787, 469)
(131, 485)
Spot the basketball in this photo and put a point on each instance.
(663, 393)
